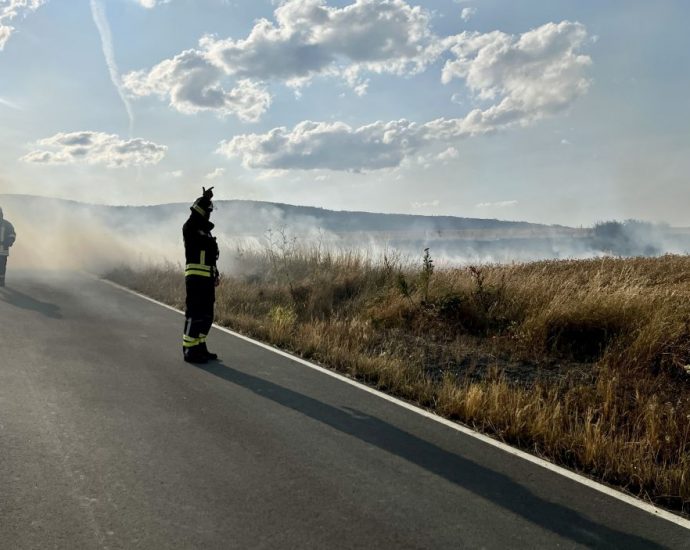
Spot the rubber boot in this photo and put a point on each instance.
(195, 355)
(209, 356)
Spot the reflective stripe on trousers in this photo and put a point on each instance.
(198, 310)
(189, 342)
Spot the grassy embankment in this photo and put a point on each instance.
(585, 363)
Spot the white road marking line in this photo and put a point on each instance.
(628, 499)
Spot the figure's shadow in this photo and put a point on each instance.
(484, 482)
(24, 301)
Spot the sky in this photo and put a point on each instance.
(550, 111)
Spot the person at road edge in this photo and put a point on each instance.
(201, 279)
(7, 238)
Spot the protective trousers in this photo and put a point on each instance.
(201, 297)
(3, 268)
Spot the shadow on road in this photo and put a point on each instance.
(24, 301)
(469, 475)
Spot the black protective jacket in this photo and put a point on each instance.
(7, 237)
(201, 248)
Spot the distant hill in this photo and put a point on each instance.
(157, 230)
(255, 217)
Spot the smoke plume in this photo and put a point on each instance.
(55, 234)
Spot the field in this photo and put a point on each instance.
(585, 363)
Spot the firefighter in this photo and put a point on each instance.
(7, 237)
(201, 279)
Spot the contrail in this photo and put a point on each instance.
(11, 105)
(99, 17)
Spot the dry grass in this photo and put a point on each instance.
(582, 362)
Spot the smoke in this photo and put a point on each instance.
(101, 21)
(64, 235)
(632, 238)
(54, 234)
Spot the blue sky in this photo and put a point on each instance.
(549, 111)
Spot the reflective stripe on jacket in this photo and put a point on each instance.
(201, 248)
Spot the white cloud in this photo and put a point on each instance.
(424, 161)
(456, 98)
(151, 3)
(532, 75)
(467, 13)
(448, 154)
(192, 83)
(5, 32)
(310, 38)
(12, 9)
(264, 175)
(217, 173)
(307, 38)
(95, 148)
(324, 145)
(426, 204)
(174, 174)
(498, 204)
(528, 77)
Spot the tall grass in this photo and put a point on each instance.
(586, 363)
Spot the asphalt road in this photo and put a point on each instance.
(109, 440)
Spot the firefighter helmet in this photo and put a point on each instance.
(204, 205)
